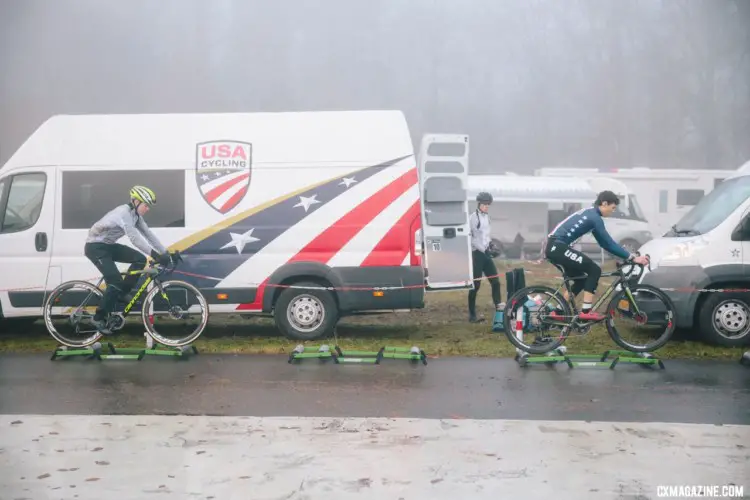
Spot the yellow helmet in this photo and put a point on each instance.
(143, 194)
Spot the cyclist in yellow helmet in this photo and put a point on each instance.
(103, 250)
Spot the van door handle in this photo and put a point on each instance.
(40, 240)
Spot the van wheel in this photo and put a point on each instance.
(725, 319)
(306, 314)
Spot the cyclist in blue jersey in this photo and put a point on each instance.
(576, 225)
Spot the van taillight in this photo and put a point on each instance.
(416, 248)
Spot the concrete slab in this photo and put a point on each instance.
(138, 457)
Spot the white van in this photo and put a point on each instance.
(704, 264)
(254, 201)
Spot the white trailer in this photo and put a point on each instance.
(665, 194)
(525, 208)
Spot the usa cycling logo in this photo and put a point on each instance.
(223, 170)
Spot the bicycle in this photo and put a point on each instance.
(161, 294)
(623, 300)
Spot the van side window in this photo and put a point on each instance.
(89, 194)
(23, 203)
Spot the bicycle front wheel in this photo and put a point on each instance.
(539, 333)
(645, 318)
(68, 312)
(175, 313)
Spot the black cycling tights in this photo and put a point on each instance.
(483, 264)
(104, 256)
(575, 264)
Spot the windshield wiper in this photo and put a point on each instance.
(689, 232)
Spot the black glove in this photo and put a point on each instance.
(162, 258)
(492, 250)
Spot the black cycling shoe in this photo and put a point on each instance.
(101, 325)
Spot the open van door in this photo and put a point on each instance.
(443, 181)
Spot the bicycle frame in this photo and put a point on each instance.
(622, 279)
(152, 272)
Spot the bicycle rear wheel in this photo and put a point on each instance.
(538, 333)
(179, 300)
(646, 318)
(69, 307)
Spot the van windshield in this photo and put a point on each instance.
(713, 208)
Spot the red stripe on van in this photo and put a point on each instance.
(221, 188)
(332, 240)
(234, 199)
(393, 248)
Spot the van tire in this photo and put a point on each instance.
(724, 315)
(296, 307)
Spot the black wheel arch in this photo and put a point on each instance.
(314, 272)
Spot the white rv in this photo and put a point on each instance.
(665, 194)
(525, 208)
(254, 201)
(703, 264)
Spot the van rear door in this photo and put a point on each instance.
(27, 213)
(443, 181)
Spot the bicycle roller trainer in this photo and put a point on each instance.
(560, 355)
(339, 356)
(152, 348)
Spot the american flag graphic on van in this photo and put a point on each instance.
(223, 170)
(221, 252)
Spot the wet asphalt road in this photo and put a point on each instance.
(248, 385)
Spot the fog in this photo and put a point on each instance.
(589, 83)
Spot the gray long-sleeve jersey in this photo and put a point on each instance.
(124, 220)
(480, 236)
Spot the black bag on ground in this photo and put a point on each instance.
(515, 280)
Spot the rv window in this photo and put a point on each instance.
(689, 196)
(24, 202)
(88, 195)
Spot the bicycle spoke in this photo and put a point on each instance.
(641, 318)
(176, 314)
(69, 310)
(542, 316)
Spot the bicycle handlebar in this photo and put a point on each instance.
(175, 259)
(629, 263)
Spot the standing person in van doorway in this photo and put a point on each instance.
(103, 250)
(559, 252)
(481, 255)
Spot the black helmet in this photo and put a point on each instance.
(485, 198)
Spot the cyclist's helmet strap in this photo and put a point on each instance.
(143, 194)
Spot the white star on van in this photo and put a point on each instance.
(240, 240)
(348, 181)
(306, 201)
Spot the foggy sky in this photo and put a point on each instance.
(590, 83)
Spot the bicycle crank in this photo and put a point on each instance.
(116, 321)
